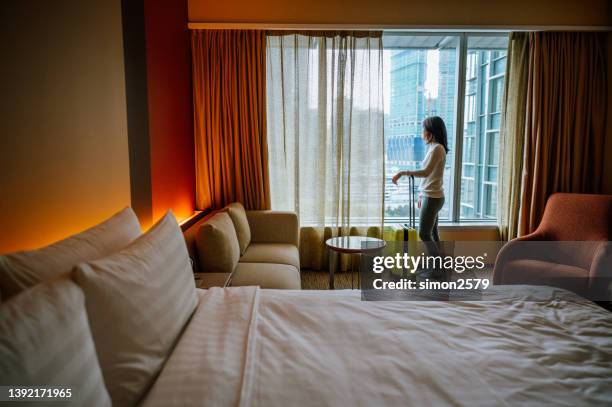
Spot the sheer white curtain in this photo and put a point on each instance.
(325, 127)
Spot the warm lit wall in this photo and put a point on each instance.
(159, 108)
(607, 178)
(63, 149)
(170, 108)
(404, 12)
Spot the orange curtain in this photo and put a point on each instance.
(565, 119)
(229, 91)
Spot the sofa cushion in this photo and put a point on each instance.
(267, 275)
(241, 224)
(46, 341)
(217, 243)
(278, 253)
(138, 301)
(21, 270)
(537, 272)
(274, 227)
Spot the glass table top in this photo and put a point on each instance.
(355, 244)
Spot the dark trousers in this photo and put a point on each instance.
(428, 222)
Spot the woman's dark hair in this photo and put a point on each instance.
(436, 127)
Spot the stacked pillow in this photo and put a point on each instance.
(21, 270)
(138, 301)
(217, 243)
(131, 300)
(46, 341)
(222, 239)
(241, 224)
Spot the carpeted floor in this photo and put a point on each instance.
(319, 280)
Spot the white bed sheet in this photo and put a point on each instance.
(250, 347)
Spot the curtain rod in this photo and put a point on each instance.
(392, 27)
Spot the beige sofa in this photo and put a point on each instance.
(257, 247)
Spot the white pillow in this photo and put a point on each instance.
(22, 270)
(46, 341)
(138, 300)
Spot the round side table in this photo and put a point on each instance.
(350, 245)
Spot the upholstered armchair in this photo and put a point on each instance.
(578, 256)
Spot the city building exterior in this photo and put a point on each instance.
(484, 93)
(410, 103)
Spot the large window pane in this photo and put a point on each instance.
(420, 81)
(483, 101)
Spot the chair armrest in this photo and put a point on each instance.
(538, 235)
(504, 255)
(513, 251)
(274, 227)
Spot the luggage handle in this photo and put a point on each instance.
(412, 211)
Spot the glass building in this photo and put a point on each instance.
(413, 97)
(484, 91)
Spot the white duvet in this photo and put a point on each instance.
(250, 347)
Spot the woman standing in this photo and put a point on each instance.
(431, 191)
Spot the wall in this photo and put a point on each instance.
(415, 12)
(159, 108)
(170, 108)
(63, 146)
(607, 178)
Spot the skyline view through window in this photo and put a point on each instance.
(420, 74)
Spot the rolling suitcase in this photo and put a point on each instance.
(409, 233)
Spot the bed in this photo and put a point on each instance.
(521, 346)
(170, 344)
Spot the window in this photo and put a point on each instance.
(321, 89)
(421, 72)
(486, 56)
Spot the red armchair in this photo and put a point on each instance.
(578, 256)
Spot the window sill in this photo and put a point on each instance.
(455, 225)
(442, 225)
(467, 225)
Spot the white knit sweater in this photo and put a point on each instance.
(432, 172)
